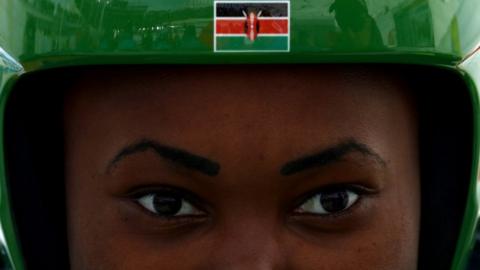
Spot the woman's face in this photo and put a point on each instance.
(253, 167)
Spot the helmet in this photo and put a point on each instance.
(43, 35)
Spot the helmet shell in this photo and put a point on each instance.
(45, 34)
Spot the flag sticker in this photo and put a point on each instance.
(252, 26)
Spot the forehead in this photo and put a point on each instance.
(217, 109)
(255, 90)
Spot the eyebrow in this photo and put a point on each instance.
(176, 155)
(330, 155)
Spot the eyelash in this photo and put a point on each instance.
(136, 195)
(190, 198)
(359, 190)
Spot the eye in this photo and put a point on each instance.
(168, 204)
(329, 202)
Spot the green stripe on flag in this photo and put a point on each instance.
(262, 43)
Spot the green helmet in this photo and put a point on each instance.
(41, 35)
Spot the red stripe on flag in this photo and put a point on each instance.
(270, 26)
(231, 26)
(273, 26)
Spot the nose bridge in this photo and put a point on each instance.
(251, 244)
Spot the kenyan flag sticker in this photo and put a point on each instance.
(252, 26)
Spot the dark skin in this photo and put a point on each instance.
(242, 168)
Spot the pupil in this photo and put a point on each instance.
(334, 201)
(167, 205)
